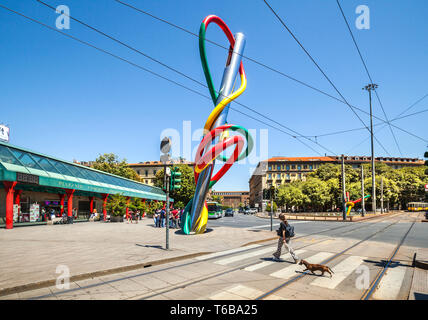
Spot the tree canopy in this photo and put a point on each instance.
(321, 190)
(109, 162)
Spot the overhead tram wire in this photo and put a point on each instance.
(258, 63)
(362, 128)
(322, 72)
(147, 70)
(368, 74)
(183, 74)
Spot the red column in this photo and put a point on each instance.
(127, 206)
(61, 201)
(69, 202)
(164, 205)
(144, 213)
(91, 204)
(105, 196)
(9, 186)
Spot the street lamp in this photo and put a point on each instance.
(369, 88)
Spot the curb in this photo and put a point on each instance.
(83, 276)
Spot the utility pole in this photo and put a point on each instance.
(363, 205)
(165, 147)
(343, 188)
(167, 174)
(381, 192)
(369, 88)
(271, 207)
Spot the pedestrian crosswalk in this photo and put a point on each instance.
(341, 272)
(344, 268)
(290, 271)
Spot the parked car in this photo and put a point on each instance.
(229, 212)
(253, 210)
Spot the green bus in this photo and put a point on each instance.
(215, 210)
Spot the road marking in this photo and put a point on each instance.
(268, 263)
(224, 295)
(390, 285)
(341, 271)
(245, 256)
(220, 253)
(290, 271)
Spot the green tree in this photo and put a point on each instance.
(316, 192)
(187, 190)
(268, 208)
(109, 162)
(116, 205)
(218, 199)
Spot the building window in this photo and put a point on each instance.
(310, 167)
(305, 167)
(270, 168)
(287, 167)
(270, 175)
(278, 176)
(299, 167)
(138, 171)
(293, 167)
(278, 167)
(288, 176)
(154, 172)
(147, 173)
(299, 176)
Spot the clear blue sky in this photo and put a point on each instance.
(67, 100)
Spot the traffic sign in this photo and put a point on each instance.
(165, 145)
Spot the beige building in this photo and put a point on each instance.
(232, 198)
(147, 170)
(280, 170)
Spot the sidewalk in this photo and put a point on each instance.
(30, 255)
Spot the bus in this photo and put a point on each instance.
(417, 206)
(215, 210)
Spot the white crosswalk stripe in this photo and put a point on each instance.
(237, 293)
(290, 271)
(390, 285)
(268, 263)
(221, 253)
(245, 256)
(341, 271)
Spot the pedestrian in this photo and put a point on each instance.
(129, 218)
(175, 218)
(158, 219)
(284, 239)
(137, 216)
(162, 217)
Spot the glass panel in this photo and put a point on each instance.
(61, 168)
(91, 174)
(44, 163)
(26, 159)
(7, 156)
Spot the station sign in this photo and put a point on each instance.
(27, 178)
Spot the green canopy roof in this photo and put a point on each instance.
(56, 173)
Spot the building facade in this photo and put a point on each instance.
(147, 170)
(232, 198)
(280, 170)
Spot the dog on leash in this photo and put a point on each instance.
(316, 267)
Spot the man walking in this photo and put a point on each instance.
(284, 239)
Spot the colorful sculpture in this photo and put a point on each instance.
(351, 204)
(195, 216)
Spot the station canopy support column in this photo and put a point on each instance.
(70, 193)
(91, 204)
(10, 188)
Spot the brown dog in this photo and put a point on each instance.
(315, 267)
